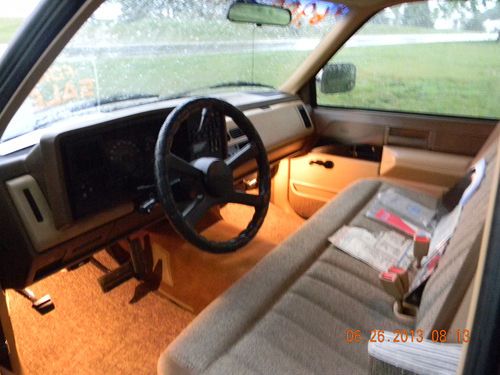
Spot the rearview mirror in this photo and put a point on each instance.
(337, 78)
(259, 14)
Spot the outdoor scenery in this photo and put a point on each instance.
(432, 57)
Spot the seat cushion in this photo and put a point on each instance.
(297, 303)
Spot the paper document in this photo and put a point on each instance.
(444, 230)
(378, 251)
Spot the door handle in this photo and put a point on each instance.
(328, 164)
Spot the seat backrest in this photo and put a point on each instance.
(447, 286)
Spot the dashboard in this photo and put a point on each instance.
(108, 168)
(79, 188)
(116, 164)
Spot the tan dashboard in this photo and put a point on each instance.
(278, 125)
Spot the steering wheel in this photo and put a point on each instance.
(211, 178)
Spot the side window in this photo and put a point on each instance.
(431, 57)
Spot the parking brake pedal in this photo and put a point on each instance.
(42, 305)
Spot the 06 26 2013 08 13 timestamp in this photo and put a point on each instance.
(355, 336)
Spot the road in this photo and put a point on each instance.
(302, 44)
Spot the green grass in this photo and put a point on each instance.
(169, 75)
(8, 27)
(447, 78)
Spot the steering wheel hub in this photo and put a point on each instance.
(218, 176)
(219, 179)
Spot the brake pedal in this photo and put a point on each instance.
(118, 276)
(42, 305)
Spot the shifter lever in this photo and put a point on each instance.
(146, 187)
(147, 206)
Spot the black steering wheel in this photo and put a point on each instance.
(209, 178)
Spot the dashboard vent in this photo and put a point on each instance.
(305, 116)
(236, 133)
(33, 205)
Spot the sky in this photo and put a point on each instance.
(17, 8)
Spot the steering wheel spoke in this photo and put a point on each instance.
(245, 154)
(246, 199)
(182, 167)
(195, 211)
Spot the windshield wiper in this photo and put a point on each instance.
(240, 84)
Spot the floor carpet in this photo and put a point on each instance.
(92, 333)
(199, 277)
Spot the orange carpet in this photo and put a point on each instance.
(93, 333)
(199, 277)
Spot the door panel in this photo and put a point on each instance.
(463, 136)
(429, 153)
(312, 184)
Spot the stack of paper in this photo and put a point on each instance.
(378, 251)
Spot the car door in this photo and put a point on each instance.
(411, 97)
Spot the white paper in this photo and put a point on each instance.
(443, 232)
(378, 251)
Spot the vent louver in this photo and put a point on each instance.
(305, 116)
(236, 133)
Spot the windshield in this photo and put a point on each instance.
(132, 52)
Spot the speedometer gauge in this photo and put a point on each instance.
(124, 155)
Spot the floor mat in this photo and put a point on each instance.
(92, 333)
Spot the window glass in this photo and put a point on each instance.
(12, 15)
(132, 52)
(429, 57)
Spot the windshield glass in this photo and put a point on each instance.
(132, 52)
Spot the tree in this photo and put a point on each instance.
(381, 18)
(418, 14)
(473, 12)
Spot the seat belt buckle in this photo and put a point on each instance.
(421, 244)
(402, 275)
(393, 286)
